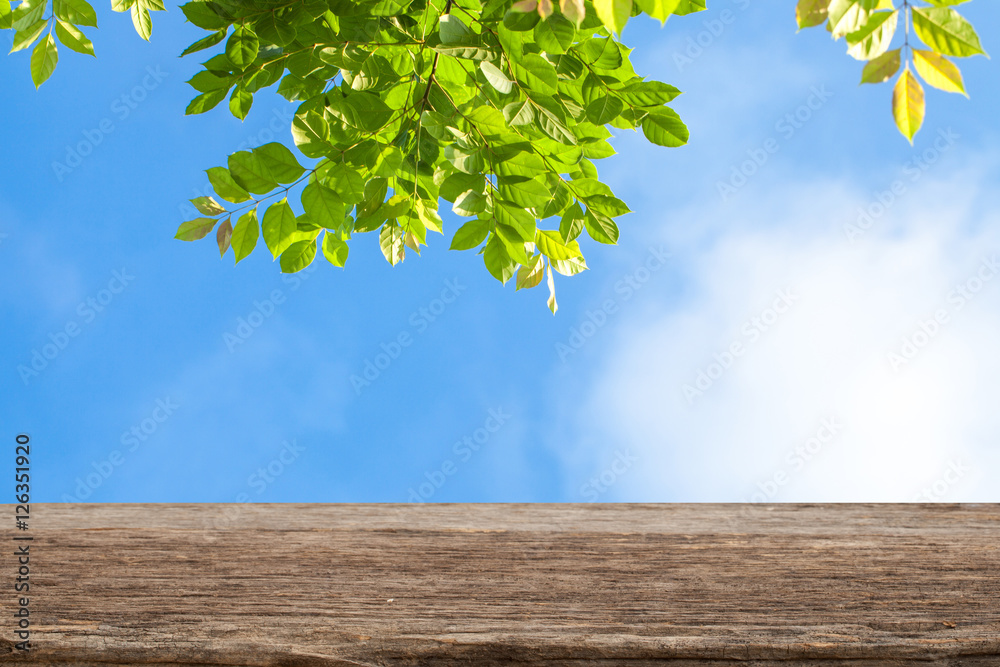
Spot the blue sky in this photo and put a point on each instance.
(148, 403)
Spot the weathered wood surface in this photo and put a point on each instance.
(624, 585)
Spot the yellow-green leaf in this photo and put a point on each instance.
(846, 16)
(882, 68)
(552, 246)
(335, 249)
(613, 13)
(873, 38)
(192, 230)
(245, 235)
(390, 240)
(809, 13)
(908, 104)
(938, 71)
(141, 20)
(530, 275)
(6, 17)
(208, 206)
(553, 306)
(658, 9)
(73, 38)
(946, 31)
(25, 37)
(298, 256)
(278, 227)
(43, 60)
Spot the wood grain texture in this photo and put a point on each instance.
(623, 585)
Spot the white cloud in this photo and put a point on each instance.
(894, 432)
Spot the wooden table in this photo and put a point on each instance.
(622, 585)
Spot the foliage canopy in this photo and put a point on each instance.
(500, 109)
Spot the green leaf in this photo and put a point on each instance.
(278, 163)
(345, 180)
(600, 53)
(242, 47)
(613, 13)
(470, 235)
(453, 31)
(946, 31)
(206, 101)
(525, 193)
(361, 110)
(555, 34)
(25, 37)
(515, 217)
(536, 73)
(520, 21)
(908, 104)
(601, 228)
(205, 15)
(274, 30)
(938, 71)
(6, 16)
(240, 102)
(248, 173)
(570, 267)
(205, 42)
(846, 16)
(43, 60)
(604, 109)
(469, 203)
(429, 216)
(141, 20)
(459, 183)
(530, 275)
(391, 241)
(245, 235)
(553, 306)
(882, 68)
(647, 93)
(497, 260)
(809, 13)
(323, 205)
(664, 127)
(571, 223)
(278, 227)
(75, 12)
(335, 249)
(551, 245)
(298, 256)
(208, 206)
(27, 14)
(311, 134)
(73, 38)
(192, 230)
(609, 206)
(519, 113)
(224, 185)
(495, 77)
(659, 9)
(488, 120)
(873, 38)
